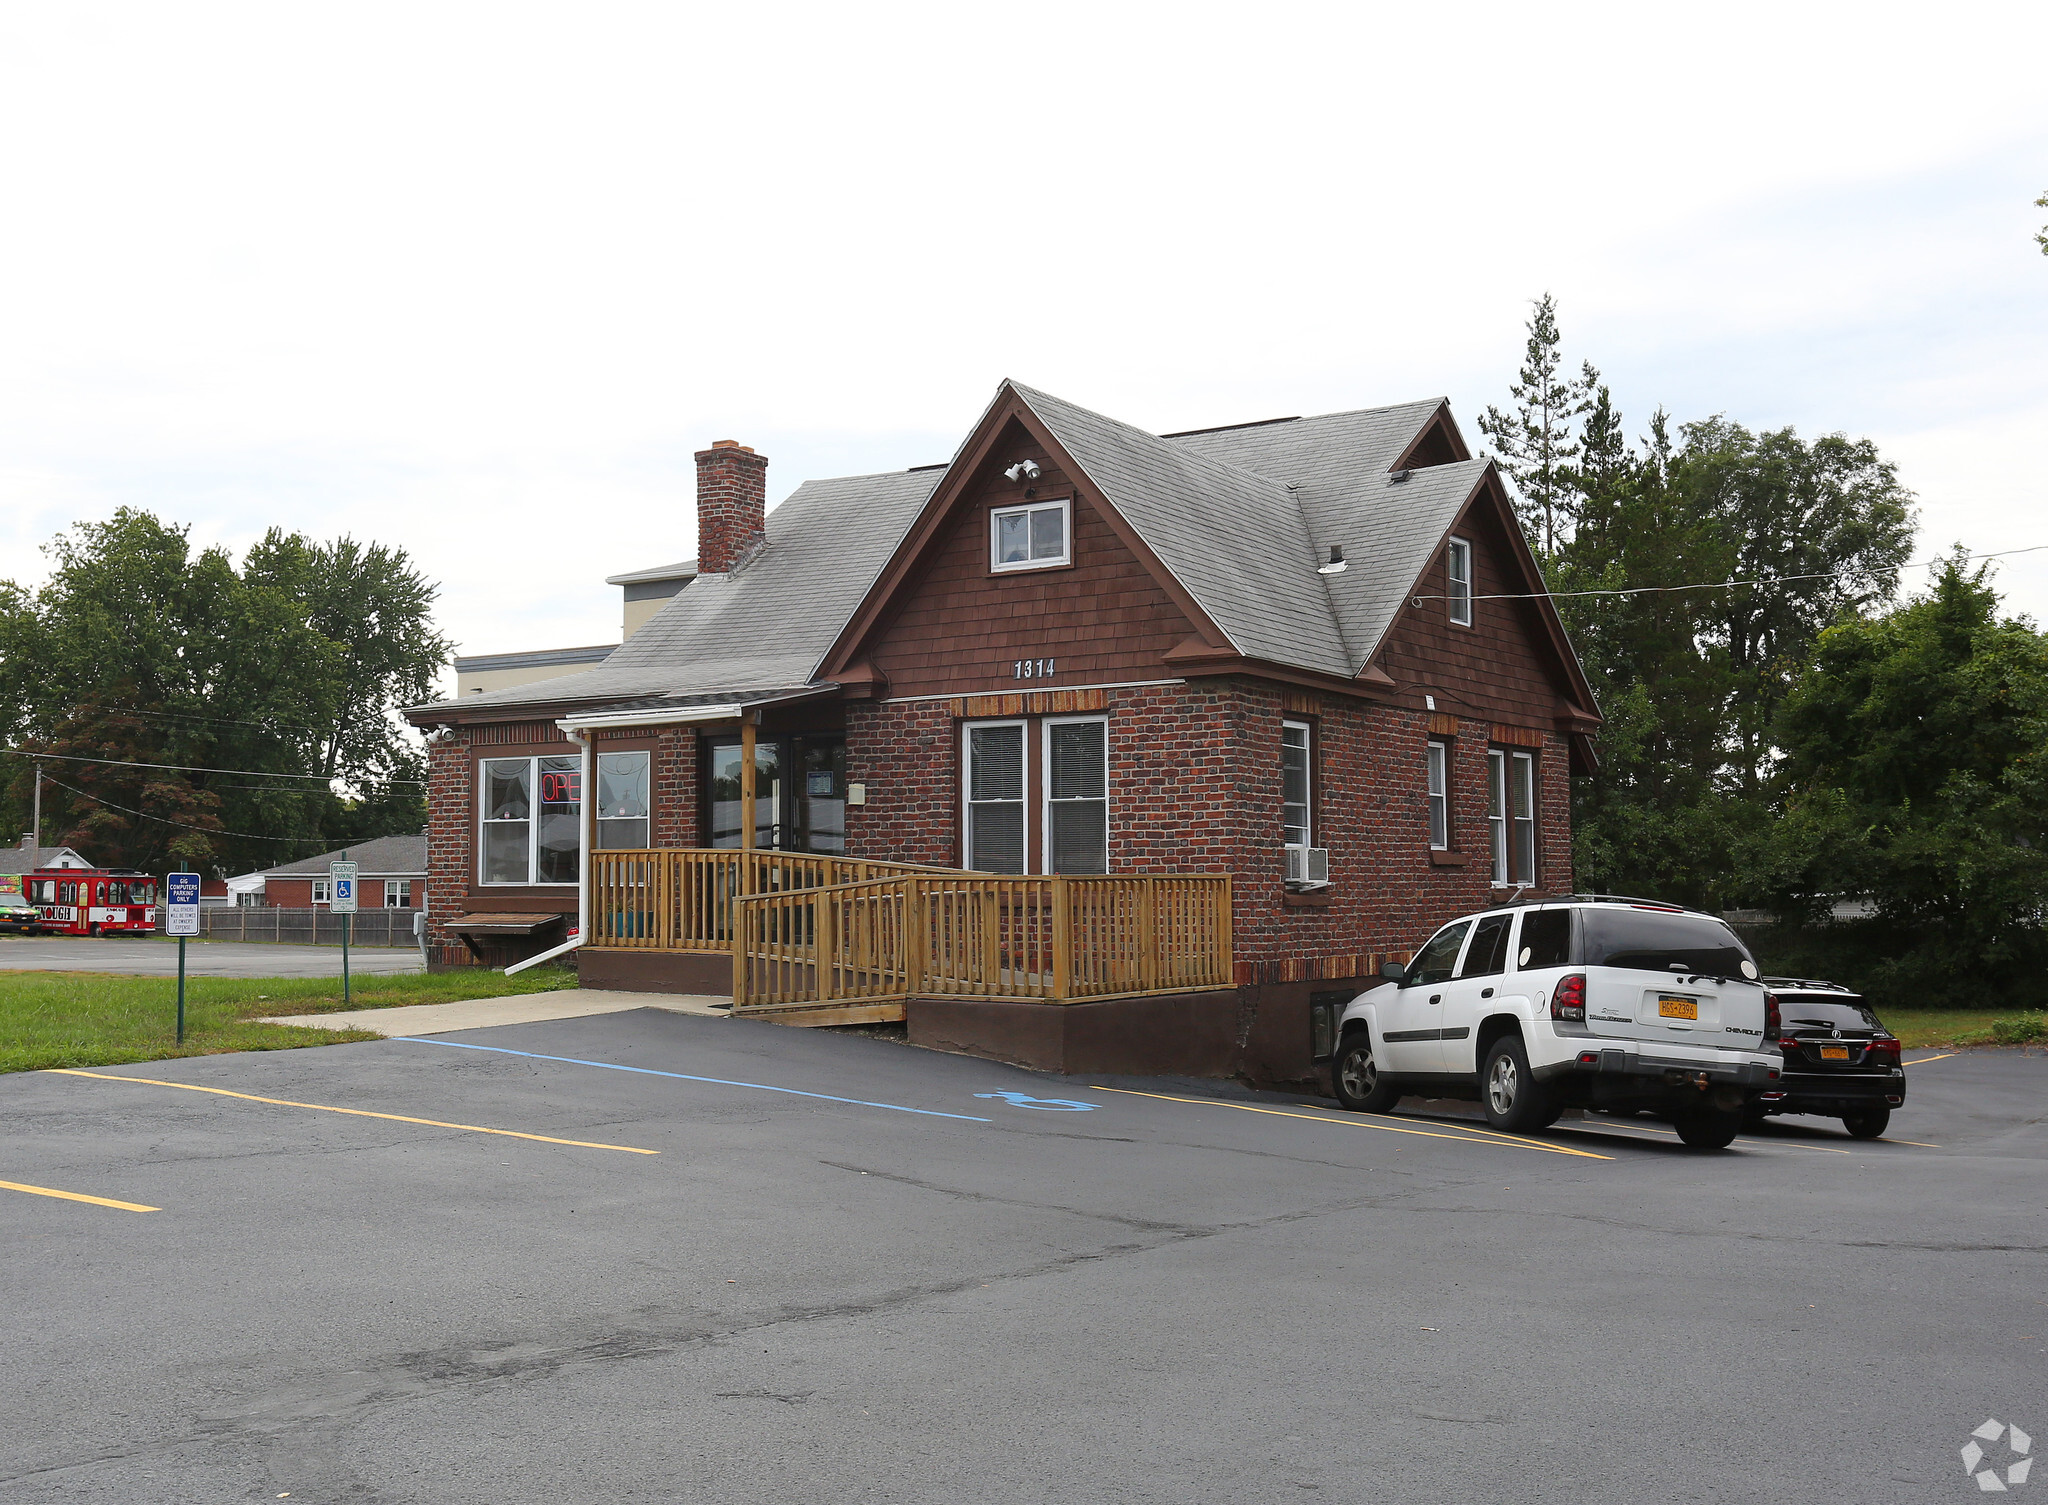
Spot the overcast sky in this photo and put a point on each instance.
(478, 279)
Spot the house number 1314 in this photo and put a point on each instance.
(1033, 668)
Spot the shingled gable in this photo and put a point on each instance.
(1236, 546)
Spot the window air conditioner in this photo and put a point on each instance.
(1308, 867)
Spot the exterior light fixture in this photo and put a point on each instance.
(1337, 565)
(1023, 470)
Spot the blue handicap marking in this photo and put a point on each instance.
(1050, 1104)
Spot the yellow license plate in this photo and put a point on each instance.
(1834, 1052)
(1678, 1008)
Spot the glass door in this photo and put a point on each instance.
(726, 796)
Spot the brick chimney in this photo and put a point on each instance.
(732, 504)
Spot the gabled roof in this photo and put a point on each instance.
(1239, 520)
(28, 859)
(382, 857)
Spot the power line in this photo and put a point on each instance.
(1714, 585)
(187, 825)
(254, 773)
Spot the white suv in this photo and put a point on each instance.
(1588, 1001)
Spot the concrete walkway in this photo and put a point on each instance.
(525, 1008)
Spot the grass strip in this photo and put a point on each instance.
(98, 1019)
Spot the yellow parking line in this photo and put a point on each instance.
(1361, 1123)
(279, 1102)
(1942, 1057)
(77, 1196)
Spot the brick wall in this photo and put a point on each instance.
(1194, 787)
(673, 789)
(451, 837)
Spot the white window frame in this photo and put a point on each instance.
(967, 731)
(1458, 581)
(533, 804)
(1522, 816)
(1437, 780)
(597, 816)
(1308, 753)
(1045, 799)
(1065, 506)
(319, 892)
(398, 893)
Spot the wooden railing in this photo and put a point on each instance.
(680, 898)
(1054, 939)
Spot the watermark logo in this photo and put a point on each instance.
(2018, 1448)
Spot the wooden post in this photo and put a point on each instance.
(747, 735)
(916, 935)
(1148, 935)
(824, 943)
(1223, 922)
(1062, 940)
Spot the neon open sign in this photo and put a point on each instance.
(561, 787)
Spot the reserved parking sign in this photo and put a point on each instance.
(181, 904)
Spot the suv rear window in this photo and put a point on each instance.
(1546, 939)
(1825, 1013)
(1654, 942)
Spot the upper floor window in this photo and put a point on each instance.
(1031, 537)
(1458, 570)
(1297, 813)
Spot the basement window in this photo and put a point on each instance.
(1032, 537)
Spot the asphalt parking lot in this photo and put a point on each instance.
(766, 1264)
(157, 956)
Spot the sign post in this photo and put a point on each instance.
(341, 900)
(181, 919)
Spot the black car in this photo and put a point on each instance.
(1840, 1061)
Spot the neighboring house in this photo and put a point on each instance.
(26, 858)
(391, 873)
(1076, 648)
(644, 592)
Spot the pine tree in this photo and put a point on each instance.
(1535, 443)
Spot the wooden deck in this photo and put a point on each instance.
(828, 940)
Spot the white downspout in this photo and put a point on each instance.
(588, 823)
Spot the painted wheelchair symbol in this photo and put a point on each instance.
(1050, 1104)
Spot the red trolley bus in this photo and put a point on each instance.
(92, 900)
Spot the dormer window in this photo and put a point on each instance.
(1458, 567)
(1032, 537)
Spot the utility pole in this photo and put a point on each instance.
(36, 826)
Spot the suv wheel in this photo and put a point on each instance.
(1868, 1124)
(1355, 1077)
(1514, 1100)
(1708, 1130)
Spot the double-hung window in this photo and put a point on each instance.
(1031, 537)
(1297, 809)
(397, 893)
(1439, 760)
(995, 797)
(622, 803)
(321, 893)
(1458, 580)
(532, 809)
(1511, 816)
(1036, 803)
(1077, 796)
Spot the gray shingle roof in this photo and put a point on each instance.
(1242, 518)
(383, 857)
(28, 859)
(787, 602)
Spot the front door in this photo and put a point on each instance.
(1412, 1026)
(726, 815)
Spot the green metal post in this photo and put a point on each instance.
(345, 919)
(181, 978)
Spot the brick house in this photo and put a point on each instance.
(391, 873)
(1309, 653)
